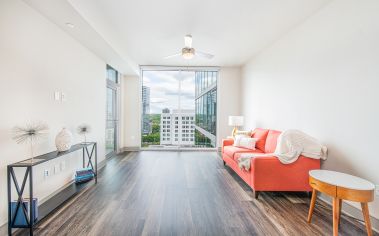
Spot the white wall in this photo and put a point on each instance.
(36, 59)
(130, 112)
(323, 78)
(228, 99)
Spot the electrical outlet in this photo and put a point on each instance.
(377, 190)
(46, 173)
(63, 165)
(56, 169)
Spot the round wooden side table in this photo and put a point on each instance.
(341, 186)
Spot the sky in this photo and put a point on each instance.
(164, 89)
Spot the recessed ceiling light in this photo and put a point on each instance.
(68, 24)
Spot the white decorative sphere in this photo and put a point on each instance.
(63, 140)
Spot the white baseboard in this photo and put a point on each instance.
(136, 149)
(130, 149)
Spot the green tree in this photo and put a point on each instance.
(155, 128)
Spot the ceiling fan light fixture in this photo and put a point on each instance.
(188, 53)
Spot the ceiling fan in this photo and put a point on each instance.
(188, 52)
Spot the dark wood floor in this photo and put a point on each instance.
(184, 193)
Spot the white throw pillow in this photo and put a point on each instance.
(244, 142)
(237, 139)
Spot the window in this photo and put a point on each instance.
(112, 74)
(196, 89)
(112, 114)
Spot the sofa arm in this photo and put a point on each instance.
(269, 174)
(226, 142)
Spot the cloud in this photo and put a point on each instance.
(158, 100)
(183, 93)
(164, 89)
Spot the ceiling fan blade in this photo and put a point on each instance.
(188, 41)
(171, 56)
(204, 54)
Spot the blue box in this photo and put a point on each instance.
(20, 219)
(84, 175)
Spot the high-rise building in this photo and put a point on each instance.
(146, 125)
(178, 127)
(206, 108)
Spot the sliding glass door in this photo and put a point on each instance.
(111, 132)
(170, 108)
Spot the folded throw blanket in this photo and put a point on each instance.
(293, 143)
(245, 159)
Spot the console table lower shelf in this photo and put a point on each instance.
(29, 206)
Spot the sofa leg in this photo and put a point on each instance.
(255, 194)
(224, 163)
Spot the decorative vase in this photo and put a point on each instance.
(63, 140)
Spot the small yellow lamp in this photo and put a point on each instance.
(235, 121)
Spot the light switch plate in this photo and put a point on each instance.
(64, 97)
(57, 95)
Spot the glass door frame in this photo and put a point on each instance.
(116, 103)
(177, 68)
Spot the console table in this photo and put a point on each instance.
(89, 153)
(341, 186)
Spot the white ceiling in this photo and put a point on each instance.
(142, 32)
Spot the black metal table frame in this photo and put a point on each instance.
(29, 174)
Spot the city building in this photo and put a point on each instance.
(177, 128)
(206, 108)
(146, 125)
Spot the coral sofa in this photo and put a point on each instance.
(268, 173)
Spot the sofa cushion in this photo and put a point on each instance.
(238, 154)
(232, 150)
(260, 135)
(271, 140)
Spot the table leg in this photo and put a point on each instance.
(312, 205)
(31, 209)
(366, 215)
(336, 210)
(9, 201)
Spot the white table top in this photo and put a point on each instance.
(341, 179)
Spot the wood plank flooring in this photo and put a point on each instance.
(184, 193)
